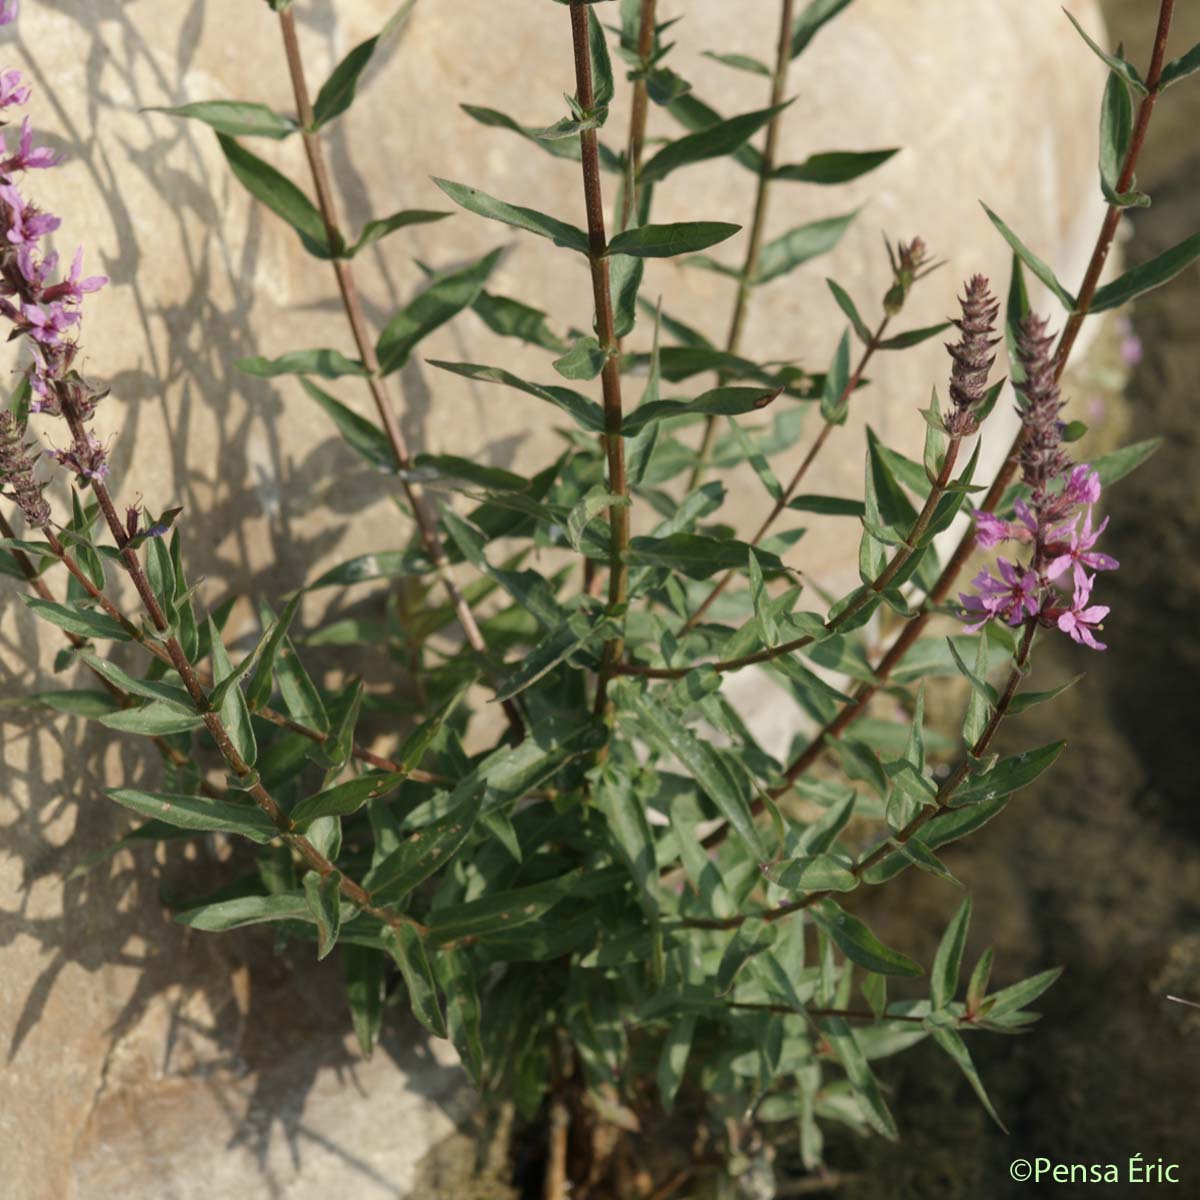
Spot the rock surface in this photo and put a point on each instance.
(142, 1061)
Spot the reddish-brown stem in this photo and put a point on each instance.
(909, 635)
(638, 116)
(610, 377)
(317, 861)
(826, 429)
(819, 1014)
(945, 794)
(877, 586)
(758, 224)
(352, 304)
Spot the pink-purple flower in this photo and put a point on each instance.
(13, 88)
(28, 157)
(8, 11)
(1081, 618)
(1077, 553)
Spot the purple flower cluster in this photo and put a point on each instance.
(1055, 524)
(42, 308)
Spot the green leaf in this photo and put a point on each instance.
(338, 91)
(345, 798)
(740, 62)
(383, 564)
(375, 231)
(603, 85)
(432, 468)
(750, 938)
(866, 1087)
(425, 852)
(721, 401)
(811, 873)
(224, 915)
(547, 654)
(859, 944)
(300, 697)
(559, 147)
(483, 205)
(510, 318)
(463, 1012)
(199, 813)
(152, 720)
(78, 703)
(1180, 68)
(1031, 260)
(443, 300)
(630, 832)
(1024, 700)
(913, 337)
(364, 970)
(280, 195)
(672, 1059)
(1148, 276)
(594, 502)
(664, 241)
(329, 364)
(82, 622)
(406, 947)
(152, 689)
(947, 963)
(950, 1041)
(832, 167)
(585, 412)
(360, 434)
(235, 713)
(1008, 775)
(238, 118)
(323, 897)
(625, 281)
(830, 506)
(799, 245)
(1119, 463)
(714, 142)
(811, 20)
(835, 397)
(725, 788)
(585, 360)
(850, 309)
(978, 984)
(1116, 134)
(698, 556)
(1013, 999)
(1126, 70)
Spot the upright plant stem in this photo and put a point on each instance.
(638, 116)
(352, 304)
(758, 223)
(212, 719)
(966, 547)
(610, 377)
(801, 471)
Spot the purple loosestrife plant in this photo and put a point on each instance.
(619, 873)
(1055, 524)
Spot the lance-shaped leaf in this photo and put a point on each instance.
(425, 852)
(625, 281)
(698, 556)
(835, 397)
(1148, 276)
(329, 364)
(672, 1059)
(721, 401)
(473, 200)
(558, 146)
(630, 832)
(1116, 134)
(153, 689)
(235, 713)
(799, 245)
(152, 720)
(835, 166)
(1013, 999)
(77, 620)
(603, 84)
(665, 241)
(913, 337)
(859, 944)
(300, 697)
(223, 915)
(199, 813)
(322, 895)
(360, 434)
(850, 309)
(440, 302)
(383, 564)
(569, 637)
(1031, 260)
(740, 62)
(345, 798)
(1181, 67)
(280, 195)
(374, 231)
(511, 318)
(585, 412)
(585, 359)
(947, 963)
(714, 142)
(950, 1041)
(811, 20)
(866, 1087)
(338, 91)
(723, 786)
(237, 118)
(1008, 775)
(365, 972)
(406, 947)
(463, 1011)
(750, 938)
(1126, 70)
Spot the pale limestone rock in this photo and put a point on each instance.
(135, 1067)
